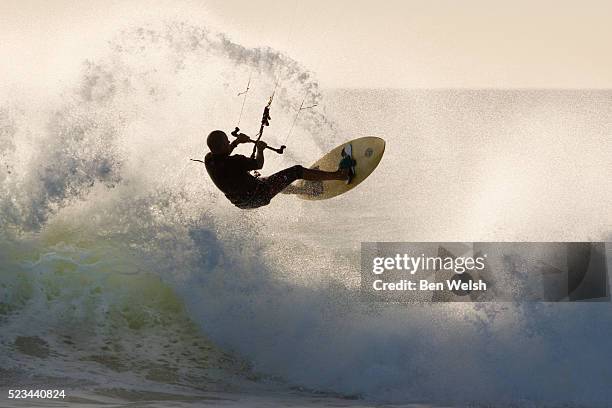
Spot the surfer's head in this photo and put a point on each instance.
(218, 143)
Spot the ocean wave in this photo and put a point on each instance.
(120, 262)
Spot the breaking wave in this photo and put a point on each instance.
(122, 267)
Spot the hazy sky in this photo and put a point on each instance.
(357, 43)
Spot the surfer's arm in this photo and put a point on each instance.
(242, 163)
(261, 146)
(241, 138)
(233, 145)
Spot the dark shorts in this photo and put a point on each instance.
(268, 187)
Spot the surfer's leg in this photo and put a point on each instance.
(320, 175)
(281, 181)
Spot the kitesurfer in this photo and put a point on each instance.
(230, 173)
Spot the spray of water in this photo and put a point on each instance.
(110, 235)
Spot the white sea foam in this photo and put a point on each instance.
(119, 258)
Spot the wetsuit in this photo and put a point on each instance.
(231, 175)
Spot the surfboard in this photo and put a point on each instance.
(366, 151)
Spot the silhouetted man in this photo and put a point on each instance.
(230, 173)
